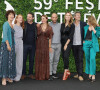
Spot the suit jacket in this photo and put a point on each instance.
(82, 25)
(25, 30)
(95, 37)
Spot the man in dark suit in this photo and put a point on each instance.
(29, 43)
(78, 45)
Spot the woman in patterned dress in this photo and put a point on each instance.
(7, 51)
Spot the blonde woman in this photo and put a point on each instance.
(18, 27)
(91, 46)
(67, 32)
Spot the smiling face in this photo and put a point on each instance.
(30, 18)
(44, 19)
(67, 17)
(54, 18)
(11, 16)
(19, 19)
(77, 16)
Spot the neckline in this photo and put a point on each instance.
(45, 29)
(9, 25)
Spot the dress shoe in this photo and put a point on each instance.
(80, 78)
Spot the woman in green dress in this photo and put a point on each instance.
(7, 50)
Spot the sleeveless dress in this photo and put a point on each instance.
(7, 60)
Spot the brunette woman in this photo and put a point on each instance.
(43, 46)
(7, 52)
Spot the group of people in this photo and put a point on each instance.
(45, 42)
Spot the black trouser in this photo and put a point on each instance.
(65, 55)
(78, 55)
(28, 50)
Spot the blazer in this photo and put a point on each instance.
(95, 37)
(82, 25)
(7, 33)
(25, 30)
(67, 33)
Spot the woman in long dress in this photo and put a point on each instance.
(43, 46)
(7, 51)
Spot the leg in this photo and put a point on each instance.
(56, 57)
(80, 58)
(75, 53)
(31, 59)
(19, 61)
(25, 54)
(87, 57)
(66, 56)
(92, 62)
(51, 57)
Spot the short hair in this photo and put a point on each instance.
(8, 12)
(77, 12)
(31, 14)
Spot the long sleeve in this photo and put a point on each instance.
(5, 30)
(97, 32)
(72, 28)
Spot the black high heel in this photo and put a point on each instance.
(90, 78)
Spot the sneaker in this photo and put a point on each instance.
(55, 76)
(51, 78)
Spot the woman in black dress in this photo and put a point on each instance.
(67, 32)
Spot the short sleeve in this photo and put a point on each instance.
(38, 30)
(50, 33)
(5, 30)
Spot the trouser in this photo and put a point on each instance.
(90, 55)
(54, 57)
(28, 50)
(19, 59)
(65, 55)
(78, 56)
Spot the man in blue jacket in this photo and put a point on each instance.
(78, 45)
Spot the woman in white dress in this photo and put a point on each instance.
(18, 27)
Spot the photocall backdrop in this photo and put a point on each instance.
(39, 7)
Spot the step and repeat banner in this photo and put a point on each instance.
(40, 7)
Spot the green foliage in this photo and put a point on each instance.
(25, 6)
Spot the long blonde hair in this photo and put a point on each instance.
(92, 21)
(71, 19)
(22, 24)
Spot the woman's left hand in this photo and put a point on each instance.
(65, 47)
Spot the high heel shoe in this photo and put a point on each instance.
(90, 78)
(66, 75)
(3, 82)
